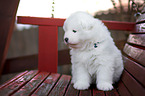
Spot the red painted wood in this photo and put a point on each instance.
(48, 54)
(47, 85)
(112, 25)
(112, 93)
(32, 85)
(117, 25)
(61, 86)
(13, 79)
(97, 92)
(132, 85)
(85, 92)
(29, 84)
(135, 53)
(123, 91)
(41, 21)
(135, 69)
(14, 86)
(8, 9)
(138, 39)
(71, 91)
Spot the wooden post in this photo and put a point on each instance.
(48, 53)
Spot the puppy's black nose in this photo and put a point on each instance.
(66, 40)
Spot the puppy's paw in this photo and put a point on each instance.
(81, 85)
(105, 86)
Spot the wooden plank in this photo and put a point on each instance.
(5, 35)
(85, 92)
(13, 79)
(61, 86)
(40, 21)
(141, 19)
(135, 53)
(112, 93)
(135, 69)
(140, 28)
(47, 85)
(117, 25)
(138, 39)
(14, 86)
(31, 85)
(8, 10)
(71, 91)
(97, 92)
(123, 91)
(132, 85)
(48, 53)
(112, 25)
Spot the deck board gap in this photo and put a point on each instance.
(39, 85)
(127, 56)
(136, 45)
(24, 83)
(67, 87)
(54, 84)
(12, 80)
(134, 78)
(126, 88)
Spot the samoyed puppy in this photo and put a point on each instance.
(94, 56)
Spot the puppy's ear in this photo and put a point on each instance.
(90, 27)
(88, 24)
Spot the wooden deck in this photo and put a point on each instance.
(36, 83)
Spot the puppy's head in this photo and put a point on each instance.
(78, 29)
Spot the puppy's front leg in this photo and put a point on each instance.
(81, 78)
(105, 78)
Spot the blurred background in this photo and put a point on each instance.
(24, 40)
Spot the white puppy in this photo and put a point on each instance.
(94, 55)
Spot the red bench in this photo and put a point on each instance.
(46, 80)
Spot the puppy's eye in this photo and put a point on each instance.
(74, 31)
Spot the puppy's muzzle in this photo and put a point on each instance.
(66, 40)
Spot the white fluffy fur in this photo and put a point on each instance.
(103, 64)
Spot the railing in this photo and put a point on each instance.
(48, 35)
